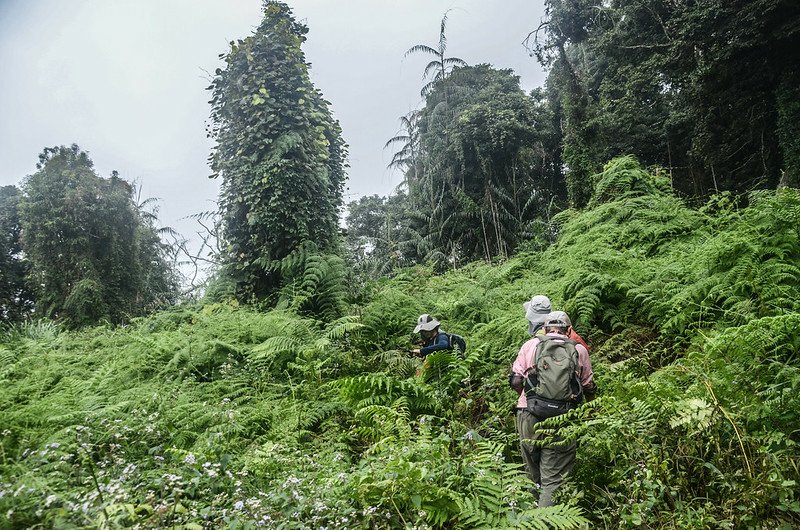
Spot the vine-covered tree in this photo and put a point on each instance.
(15, 299)
(280, 155)
(92, 257)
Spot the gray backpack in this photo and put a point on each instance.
(552, 386)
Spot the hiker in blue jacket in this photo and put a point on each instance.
(433, 339)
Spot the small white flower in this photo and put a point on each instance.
(189, 459)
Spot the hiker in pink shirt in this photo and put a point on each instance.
(552, 375)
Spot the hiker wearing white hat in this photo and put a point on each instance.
(433, 339)
(571, 333)
(536, 311)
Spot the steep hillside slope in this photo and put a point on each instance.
(224, 416)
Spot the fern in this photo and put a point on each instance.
(498, 497)
(379, 422)
(7, 359)
(552, 517)
(693, 320)
(338, 329)
(623, 177)
(385, 390)
(313, 283)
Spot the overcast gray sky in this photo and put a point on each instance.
(126, 80)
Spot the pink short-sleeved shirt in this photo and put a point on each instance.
(524, 361)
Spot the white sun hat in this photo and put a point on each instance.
(537, 309)
(556, 320)
(426, 322)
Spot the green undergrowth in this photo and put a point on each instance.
(222, 416)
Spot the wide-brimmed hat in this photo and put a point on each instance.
(537, 309)
(426, 322)
(560, 315)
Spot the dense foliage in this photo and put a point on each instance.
(707, 89)
(281, 158)
(481, 169)
(486, 169)
(380, 238)
(93, 255)
(15, 298)
(219, 416)
(310, 415)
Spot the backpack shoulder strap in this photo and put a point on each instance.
(456, 341)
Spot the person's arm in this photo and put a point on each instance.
(441, 342)
(522, 363)
(516, 382)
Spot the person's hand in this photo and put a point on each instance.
(415, 351)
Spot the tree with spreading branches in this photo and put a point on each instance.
(93, 255)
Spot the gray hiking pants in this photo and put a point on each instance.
(545, 465)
